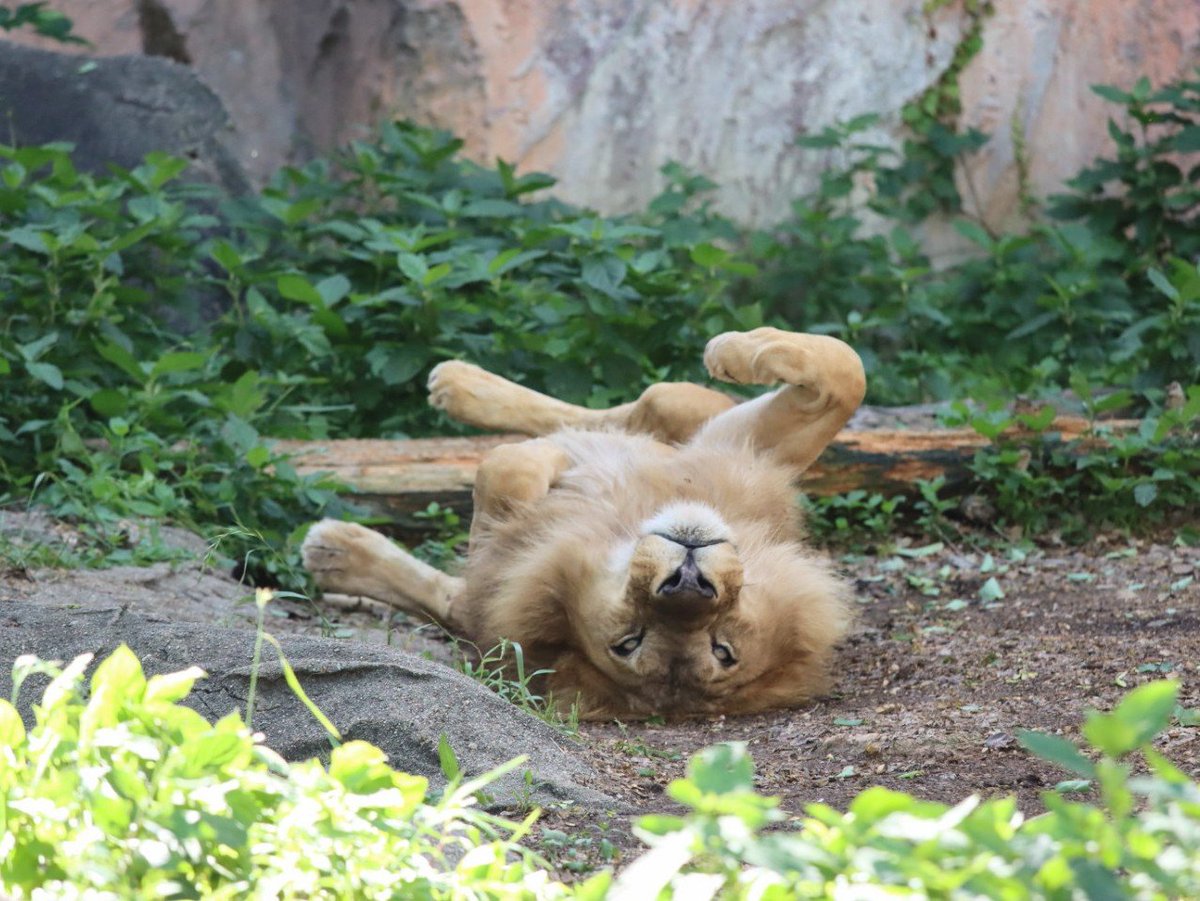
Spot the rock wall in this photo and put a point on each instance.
(601, 93)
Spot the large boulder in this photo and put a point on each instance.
(116, 110)
(397, 701)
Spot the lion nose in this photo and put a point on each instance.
(688, 582)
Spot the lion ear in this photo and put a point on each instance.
(577, 680)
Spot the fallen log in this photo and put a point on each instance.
(399, 478)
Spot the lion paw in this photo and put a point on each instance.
(336, 552)
(464, 391)
(764, 356)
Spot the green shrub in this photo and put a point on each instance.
(392, 256)
(1109, 292)
(106, 412)
(118, 790)
(1142, 841)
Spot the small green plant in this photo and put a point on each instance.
(447, 539)
(119, 789)
(502, 670)
(855, 515)
(1120, 479)
(49, 23)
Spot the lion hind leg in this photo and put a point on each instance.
(512, 476)
(672, 412)
(823, 385)
(347, 558)
(474, 396)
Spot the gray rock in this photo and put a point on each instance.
(116, 110)
(399, 702)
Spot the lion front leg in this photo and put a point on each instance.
(347, 558)
(823, 385)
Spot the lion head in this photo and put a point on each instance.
(686, 610)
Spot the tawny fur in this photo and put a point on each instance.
(577, 534)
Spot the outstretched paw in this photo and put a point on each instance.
(336, 553)
(455, 386)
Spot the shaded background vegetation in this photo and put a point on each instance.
(343, 282)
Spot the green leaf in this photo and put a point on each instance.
(1145, 493)
(413, 267)
(1186, 716)
(29, 239)
(1140, 716)
(47, 373)
(226, 256)
(122, 359)
(172, 687)
(1108, 92)
(120, 673)
(1039, 421)
(447, 759)
(333, 289)
(258, 456)
(604, 274)
(1163, 283)
(1187, 140)
(708, 255)
(975, 233)
(1057, 750)
(212, 751)
(291, 213)
(397, 364)
(723, 768)
(1070, 786)
(109, 402)
(289, 676)
(12, 730)
(178, 361)
(297, 287)
(490, 208)
(991, 591)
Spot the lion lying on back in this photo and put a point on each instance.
(651, 555)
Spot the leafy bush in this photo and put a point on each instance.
(1142, 841)
(395, 255)
(1110, 292)
(120, 790)
(106, 412)
(125, 793)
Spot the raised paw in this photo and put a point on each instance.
(764, 356)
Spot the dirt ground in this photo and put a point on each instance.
(955, 652)
(943, 673)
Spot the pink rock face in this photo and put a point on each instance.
(1039, 59)
(602, 93)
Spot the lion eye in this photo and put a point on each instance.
(723, 653)
(629, 645)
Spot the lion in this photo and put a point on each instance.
(650, 556)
